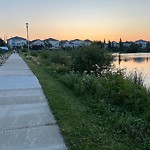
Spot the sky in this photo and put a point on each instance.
(71, 19)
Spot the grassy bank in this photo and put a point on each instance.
(94, 112)
(80, 129)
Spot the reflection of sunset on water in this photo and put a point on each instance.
(139, 61)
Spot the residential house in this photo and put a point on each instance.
(127, 44)
(87, 42)
(76, 43)
(37, 44)
(65, 44)
(16, 42)
(53, 43)
(141, 43)
(106, 45)
(115, 44)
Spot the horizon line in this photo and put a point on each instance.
(5, 38)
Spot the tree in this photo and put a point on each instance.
(2, 43)
(109, 45)
(98, 43)
(92, 58)
(133, 48)
(120, 45)
(104, 41)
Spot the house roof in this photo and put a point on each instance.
(75, 40)
(51, 39)
(87, 40)
(36, 40)
(115, 42)
(141, 40)
(17, 38)
(128, 42)
(64, 41)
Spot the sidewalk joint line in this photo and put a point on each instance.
(27, 127)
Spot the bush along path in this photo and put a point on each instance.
(3, 57)
(96, 108)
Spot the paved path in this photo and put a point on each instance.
(26, 122)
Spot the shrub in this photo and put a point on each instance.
(136, 77)
(34, 53)
(59, 57)
(24, 50)
(112, 89)
(91, 58)
(44, 54)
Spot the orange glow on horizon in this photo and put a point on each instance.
(80, 19)
(81, 31)
(77, 35)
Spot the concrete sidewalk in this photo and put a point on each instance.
(26, 122)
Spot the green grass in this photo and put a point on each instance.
(82, 128)
(75, 123)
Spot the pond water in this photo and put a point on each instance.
(139, 61)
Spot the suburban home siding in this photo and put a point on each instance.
(16, 42)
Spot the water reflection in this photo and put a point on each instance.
(139, 61)
(121, 57)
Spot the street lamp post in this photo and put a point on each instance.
(27, 26)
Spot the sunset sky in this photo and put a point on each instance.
(71, 19)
